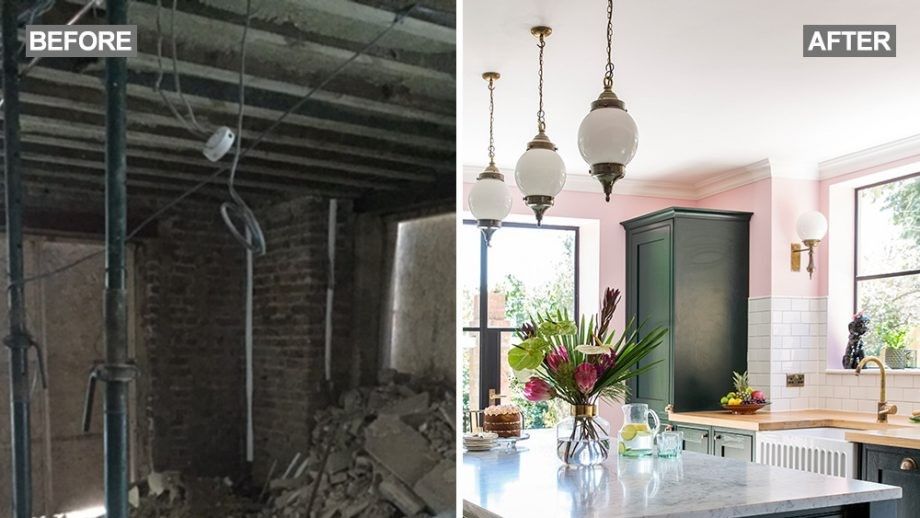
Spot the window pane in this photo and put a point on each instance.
(530, 270)
(544, 414)
(470, 377)
(893, 306)
(888, 230)
(469, 268)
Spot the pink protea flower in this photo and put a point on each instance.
(538, 390)
(556, 359)
(604, 362)
(585, 377)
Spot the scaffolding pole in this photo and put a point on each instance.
(117, 373)
(18, 340)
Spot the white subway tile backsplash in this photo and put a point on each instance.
(789, 335)
(798, 304)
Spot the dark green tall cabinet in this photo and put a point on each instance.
(688, 270)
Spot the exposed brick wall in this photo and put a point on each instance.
(289, 322)
(189, 338)
(191, 317)
(189, 310)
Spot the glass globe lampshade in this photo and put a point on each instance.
(811, 226)
(490, 201)
(540, 175)
(607, 139)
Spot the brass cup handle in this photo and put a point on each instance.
(908, 464)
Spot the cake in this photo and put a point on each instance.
(505, 420)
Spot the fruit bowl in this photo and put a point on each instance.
(745, 409)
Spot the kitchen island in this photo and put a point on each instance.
(532, 483)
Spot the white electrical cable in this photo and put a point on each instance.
(250, 450)
(251, 238)
(330, 285)
(192, 123)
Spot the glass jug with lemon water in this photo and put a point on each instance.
(636, 438)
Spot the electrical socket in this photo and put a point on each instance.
(795, 380)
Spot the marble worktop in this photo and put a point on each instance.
(531, 482)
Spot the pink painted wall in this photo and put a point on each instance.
(790, 199)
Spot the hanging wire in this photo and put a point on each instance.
(491, 120)
(399, 17)
(191, 124)
(608, 75)
(541, 115)
(251, 237)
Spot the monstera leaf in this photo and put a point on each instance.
(528, 355)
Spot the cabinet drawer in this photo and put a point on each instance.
(696, 439)
(733, 445)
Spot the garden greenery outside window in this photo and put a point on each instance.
(526, 269)
(887, 281)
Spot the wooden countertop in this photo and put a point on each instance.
(791, 420)
(898, 437)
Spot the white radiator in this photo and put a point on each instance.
(817, 450)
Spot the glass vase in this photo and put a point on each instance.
(583, 439)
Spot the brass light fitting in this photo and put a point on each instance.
(490, 199)
(796, 257)
(539, 204)
(605, 149)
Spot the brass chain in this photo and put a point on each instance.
(491, 120)
(541, 115)
(608, 75)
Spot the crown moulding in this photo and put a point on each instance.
(862, 160)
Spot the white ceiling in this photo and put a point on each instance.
(713, 84)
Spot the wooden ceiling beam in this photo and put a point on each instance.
(399, 151)
(140, 134)
(185, 159)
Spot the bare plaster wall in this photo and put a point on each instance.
(423, 312)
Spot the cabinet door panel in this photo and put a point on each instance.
(649, 300)
(884, 465)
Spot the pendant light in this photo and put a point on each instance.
(608, 136)
(540, 172)
(490, 199)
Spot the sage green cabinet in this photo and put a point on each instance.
(721, 442)
(688, 270)
(696, 439)
(732, 445)
(895, 467)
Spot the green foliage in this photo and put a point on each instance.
(527, 355)
(893, 304)
(559, 330)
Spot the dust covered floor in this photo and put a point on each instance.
(383, 451)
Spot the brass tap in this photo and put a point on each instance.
(884, 409)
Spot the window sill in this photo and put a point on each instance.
(875, 370)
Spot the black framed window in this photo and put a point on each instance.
(526, 269)
(887, 261)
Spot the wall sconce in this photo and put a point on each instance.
(811, 227)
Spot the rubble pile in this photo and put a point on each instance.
(169, 494)
(385, 451)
